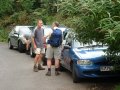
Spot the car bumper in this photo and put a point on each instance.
(94, 72)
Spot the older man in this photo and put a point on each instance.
(38, 40)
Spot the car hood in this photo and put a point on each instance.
(90, 53)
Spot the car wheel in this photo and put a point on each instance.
(74, 75)
(20, 46)
(61, 68)
(44, 59)
(9, 45)
(31, 52)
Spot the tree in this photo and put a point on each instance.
(5, 7)
(97, 20)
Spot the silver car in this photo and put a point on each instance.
(16, 36)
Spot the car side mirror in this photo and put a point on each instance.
(16, 34)
(67, 47)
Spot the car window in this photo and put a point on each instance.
(31, 28)
(47, 31)
(24, 31)
(69, 38)
(12, 32)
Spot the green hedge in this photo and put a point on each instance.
(3, 35)
(117, 87)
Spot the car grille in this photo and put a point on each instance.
(106, 61)
(102, 73)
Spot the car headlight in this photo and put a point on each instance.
(84, 62)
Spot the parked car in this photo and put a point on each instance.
(15, 38)
(86, 60)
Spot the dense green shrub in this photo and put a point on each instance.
(3, 35)
(97, 20)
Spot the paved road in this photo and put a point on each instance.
(16, 74)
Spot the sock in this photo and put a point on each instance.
(49, 69)
(39, 64)
(56, 69)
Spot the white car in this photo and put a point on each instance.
(16, 36)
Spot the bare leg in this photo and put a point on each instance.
(39, 63)
(49, 63)
(49, 67)
(36, 59)
(27, 46)
(35, 68)
(57, 61)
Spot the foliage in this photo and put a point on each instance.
(117, 87)
(3, 35)
(27, 4)
(94, 20)
(5, 7)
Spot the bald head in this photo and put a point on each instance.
(39, 23)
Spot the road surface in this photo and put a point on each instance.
(16, 73)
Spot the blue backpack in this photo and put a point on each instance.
(56, 38)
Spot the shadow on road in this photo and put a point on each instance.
(98, 83)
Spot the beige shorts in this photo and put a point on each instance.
(53, 52)
(24, 40)
(39, 50)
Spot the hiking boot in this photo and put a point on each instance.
(27, 52)
(48, 73)
(57, 73)
(35, 69)
(40, 67)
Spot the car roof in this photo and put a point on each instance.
(18, 27)
(48, 27)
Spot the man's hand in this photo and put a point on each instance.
(44, 39)
(35, 46)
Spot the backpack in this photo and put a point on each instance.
(56, 38)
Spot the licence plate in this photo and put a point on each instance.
(106, 68)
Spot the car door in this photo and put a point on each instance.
(66, 52)
(14, 38)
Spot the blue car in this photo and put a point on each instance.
(85, 60)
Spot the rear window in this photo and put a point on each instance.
(24, 31)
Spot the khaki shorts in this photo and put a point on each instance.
(39, 50)
(24, 40)
(53, 52)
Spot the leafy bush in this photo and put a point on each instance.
(117, 87)
(97, 20)
(3, 35)
(94, 20)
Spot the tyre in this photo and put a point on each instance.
(9, 45)
(44, 60)
(61, 68)
(32, 54)
(20, 46)
(74, 75)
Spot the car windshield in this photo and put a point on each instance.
(47, 31)
(77, 44)
(31, 28)
(24, 31)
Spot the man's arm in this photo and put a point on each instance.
(48, 35)
(33, 41)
